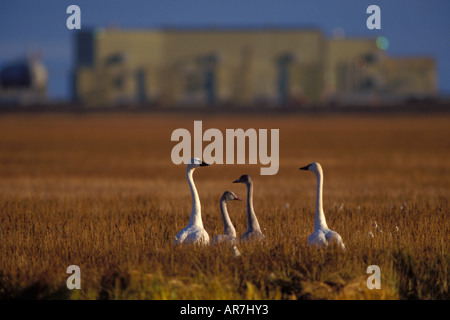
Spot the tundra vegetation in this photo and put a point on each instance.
(100, 191)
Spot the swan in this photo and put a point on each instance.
(194, 232)
(253, 230)
(322, 236)
(229, 233)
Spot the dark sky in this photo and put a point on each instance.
(413, 27)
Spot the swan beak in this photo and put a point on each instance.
(305, 167)
(238, 199)
(204, 164)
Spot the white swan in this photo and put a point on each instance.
(229, 232)
(322, 236)
(253, 230)
(194, 232)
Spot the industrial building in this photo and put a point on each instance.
(243, 67)
(23, 81)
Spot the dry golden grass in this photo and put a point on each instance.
(100, 191)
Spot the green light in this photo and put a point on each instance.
(382, 43)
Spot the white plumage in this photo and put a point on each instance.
(194, 232)
(322, 235)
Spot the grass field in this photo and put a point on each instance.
(100, 191)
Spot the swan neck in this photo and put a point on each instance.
(196, 212)
(252, 221)
(228, 228)
(319, 221)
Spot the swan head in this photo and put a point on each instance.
(195, 163)
(314, 167)
(228, 195)
(245, 178)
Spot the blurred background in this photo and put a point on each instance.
(206, 53)
(83, 182)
